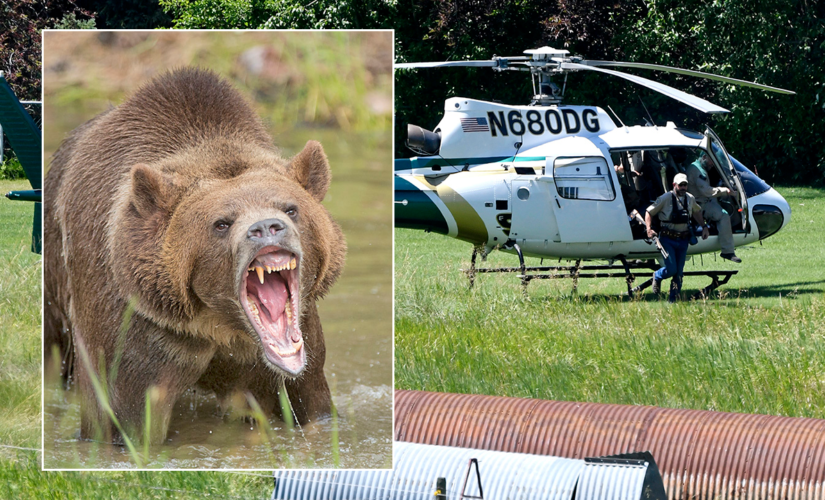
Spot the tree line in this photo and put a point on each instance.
(774, 42)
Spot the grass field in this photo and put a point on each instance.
(758, 346)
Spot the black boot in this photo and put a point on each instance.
(675, 289)
(731, 257)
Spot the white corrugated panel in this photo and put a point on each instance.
(333, 485)
(504, 476)
(612, 481)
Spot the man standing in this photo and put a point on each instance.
(674, 210)
(705, 194)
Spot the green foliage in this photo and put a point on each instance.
(772, 42)
(11, 169)
(213, 14)
(20, 25)
(127, 14)
(279, 14)
(71, 22)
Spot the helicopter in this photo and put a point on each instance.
(551, 180)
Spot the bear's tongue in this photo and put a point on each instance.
(270, 305)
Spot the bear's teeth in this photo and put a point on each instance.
(254, 309)
(260, 271)
(296, 347)
(293, 264)
(288, 311)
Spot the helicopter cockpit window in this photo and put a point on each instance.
(583, 178)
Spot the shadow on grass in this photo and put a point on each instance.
(785, 289)
(688, 295)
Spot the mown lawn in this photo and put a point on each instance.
(758, 346)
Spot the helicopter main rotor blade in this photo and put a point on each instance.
(495, 62)
(690, 100)
(700, 74)
(447, 64)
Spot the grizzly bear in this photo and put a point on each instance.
(182, 250)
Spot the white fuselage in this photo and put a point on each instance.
(550, 170)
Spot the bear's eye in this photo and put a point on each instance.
(222, 226)
(292, 212)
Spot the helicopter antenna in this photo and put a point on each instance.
(652, 122)
(617, 116)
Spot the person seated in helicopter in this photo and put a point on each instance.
(706, 195)
(632, 203)
(674, 210)
(641, 182)
(646, 177)
(676, 161)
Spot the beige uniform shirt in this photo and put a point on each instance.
(699, 186)
(663, 207)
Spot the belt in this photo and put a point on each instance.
(676, 235)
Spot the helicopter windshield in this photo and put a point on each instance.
(750, 181)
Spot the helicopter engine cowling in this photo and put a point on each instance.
(420, 139)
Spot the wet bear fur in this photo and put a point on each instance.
(149, 214)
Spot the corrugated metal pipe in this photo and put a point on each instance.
(702, 455)
(423, 472)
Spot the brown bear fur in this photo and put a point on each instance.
(155, 202)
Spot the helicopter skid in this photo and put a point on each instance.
(576, 271)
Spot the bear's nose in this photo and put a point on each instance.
(265, 229)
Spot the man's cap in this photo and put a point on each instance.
(679, 178)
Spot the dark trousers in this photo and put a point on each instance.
(674, 264)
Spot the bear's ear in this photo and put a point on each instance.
(310, 169)
(149, 190)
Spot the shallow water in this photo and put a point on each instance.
(357, 321)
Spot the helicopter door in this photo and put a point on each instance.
(532, 221)
(731, 176)
(585, 202)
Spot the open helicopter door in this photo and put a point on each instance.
(728, 171)
(586, 200)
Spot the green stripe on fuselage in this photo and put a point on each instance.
(415, 210)
(433, 161)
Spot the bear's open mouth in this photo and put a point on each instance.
(270, 296)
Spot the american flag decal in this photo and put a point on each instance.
(474, 125)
